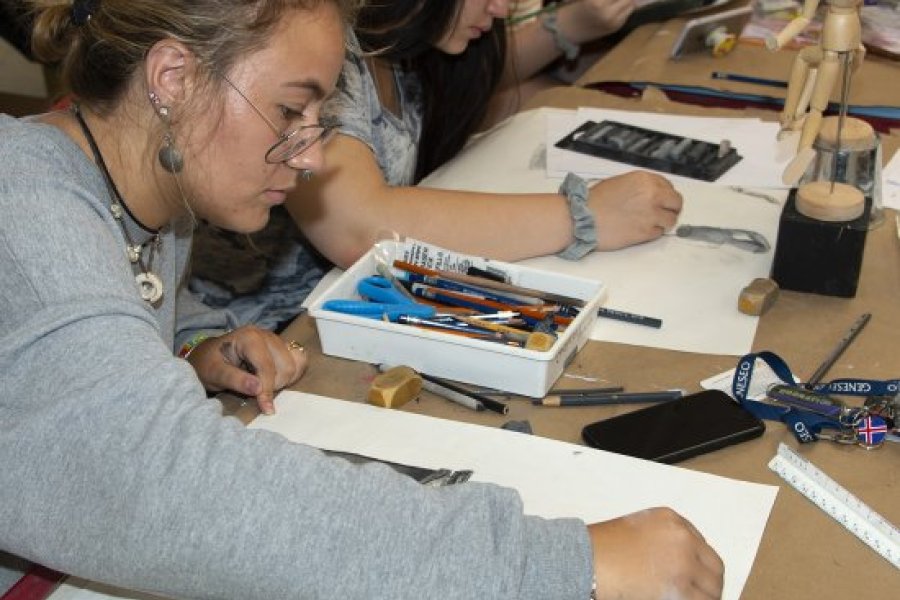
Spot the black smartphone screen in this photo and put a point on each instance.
(676, 430)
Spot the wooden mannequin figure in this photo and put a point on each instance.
(813, 78)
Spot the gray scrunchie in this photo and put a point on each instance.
(584, 228)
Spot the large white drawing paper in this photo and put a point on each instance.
(555, 479)
(692, 286)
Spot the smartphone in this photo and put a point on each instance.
(676, 430)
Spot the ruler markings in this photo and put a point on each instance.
(848, 510)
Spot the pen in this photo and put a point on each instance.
(748, 79)
(627, 317)
(601, 399)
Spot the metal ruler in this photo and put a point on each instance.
(848, 510)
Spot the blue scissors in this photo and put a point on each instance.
(381, 300)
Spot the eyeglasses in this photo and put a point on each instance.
(291, 143)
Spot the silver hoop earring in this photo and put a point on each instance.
(169, 156)
(306, 174)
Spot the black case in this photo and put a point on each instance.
(676, 430)
(700, 161)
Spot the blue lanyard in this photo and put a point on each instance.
(860, 387)
(806, 426)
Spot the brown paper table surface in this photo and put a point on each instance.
(643, 56)
(804, 553)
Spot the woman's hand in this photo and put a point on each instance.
(633, 208)
(654, 554)
(250, 361)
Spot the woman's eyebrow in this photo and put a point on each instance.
(309, 84)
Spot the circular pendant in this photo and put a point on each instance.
(150, 286)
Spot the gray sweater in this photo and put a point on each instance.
(117, 468)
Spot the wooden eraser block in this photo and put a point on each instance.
(756, 298)
(395, 387)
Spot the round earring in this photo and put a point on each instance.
(169, 156)
(306, 174)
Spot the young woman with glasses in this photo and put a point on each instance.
(116, 466)
(422, 82)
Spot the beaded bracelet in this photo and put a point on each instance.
(569, 49)
(584, 228)
(190, 344)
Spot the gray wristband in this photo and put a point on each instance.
(570, 50)
(584, 228)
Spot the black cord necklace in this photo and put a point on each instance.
(149, 283)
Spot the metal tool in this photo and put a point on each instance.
(838, 350)
(848, 510)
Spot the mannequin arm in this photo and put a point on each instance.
(775, 42)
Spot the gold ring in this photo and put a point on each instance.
(295, 345)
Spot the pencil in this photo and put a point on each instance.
(603, 399)
(489, 283)
(483, 304)
(586, 391)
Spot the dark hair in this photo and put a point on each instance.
(100, 54)
(456, 88)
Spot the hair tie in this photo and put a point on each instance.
(83, 10)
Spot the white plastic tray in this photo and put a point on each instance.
(516, 370)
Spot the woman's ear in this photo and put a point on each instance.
(169, 68)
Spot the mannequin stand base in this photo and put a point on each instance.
(819, 257)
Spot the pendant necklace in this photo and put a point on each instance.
(149, 283)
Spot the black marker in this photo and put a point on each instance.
(627, 317)
(488, 403)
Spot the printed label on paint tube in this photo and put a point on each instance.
(437, 258)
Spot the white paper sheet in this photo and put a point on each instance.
(692, 286)
(764, 157)
(555, 479)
